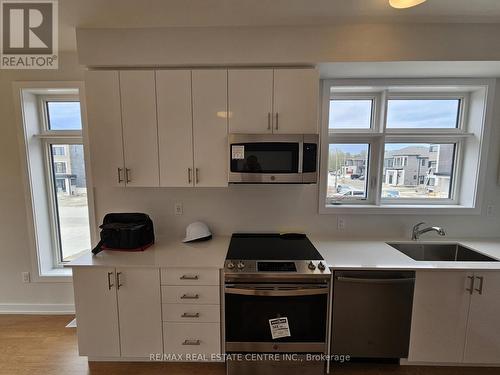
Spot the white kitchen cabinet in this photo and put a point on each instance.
(250, 94)
(118, 311)
(102, 89)
(140, 130)
(96, 311)
(175, 127)
(139, 307)
(210, 127)
(439, 318)
(296, 93)
(482, 342)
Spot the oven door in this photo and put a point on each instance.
(265, 158)
(250, 307)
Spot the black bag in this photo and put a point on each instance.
(125, 231)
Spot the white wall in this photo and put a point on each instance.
(283, 208)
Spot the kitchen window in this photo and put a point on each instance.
(404, 145)
(60, 204)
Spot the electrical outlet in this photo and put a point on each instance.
(178, 209)
(490, 211)
(26, 277)
(340, 223)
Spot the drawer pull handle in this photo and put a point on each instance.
(189, 277)
(190, 315)
(190, 296)
(191, 342)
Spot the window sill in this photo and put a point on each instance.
(400, 209)
(54, 275)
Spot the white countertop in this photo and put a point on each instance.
(166, 252)
(338, 254)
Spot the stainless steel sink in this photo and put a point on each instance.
(447, 252)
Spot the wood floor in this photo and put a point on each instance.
(41, 345)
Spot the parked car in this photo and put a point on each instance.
(355, 176)
(343, 188)
(392, 194)
(354, 193)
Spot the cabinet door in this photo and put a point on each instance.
(175, 127)
(140, 131)
(482, 344)
(139, 306)
(96, 311)
(102, 92)
(440, 307)
(210, 127)
(296, 93)
(250, 100)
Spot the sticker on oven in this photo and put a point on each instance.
(237, 152)
(279, 327)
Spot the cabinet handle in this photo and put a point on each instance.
(190, 315)
(197, 171)
(481, 282)
(120, 180)
(268, 120)
(190, 296)
(470, 289)
(189, 175)
(191, 342)
(127, 175)
(119, 284)
(276, 120)
(189, 277)
(109, 281)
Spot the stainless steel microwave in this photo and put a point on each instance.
(273, 158)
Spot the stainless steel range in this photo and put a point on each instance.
(276, 301)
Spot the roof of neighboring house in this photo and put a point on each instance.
(409, 151)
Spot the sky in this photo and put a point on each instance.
(64, 115)
(406, 114)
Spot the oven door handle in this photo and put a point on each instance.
(276, 292)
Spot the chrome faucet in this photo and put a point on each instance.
(417, 232)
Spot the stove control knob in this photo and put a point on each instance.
(230, 265)
(321, 266)
(311, 266)
(240, 265)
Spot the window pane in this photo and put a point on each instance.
(423, 113)
(350, 114)
(418, 170)
(71, 200)
(64, 115)
(347, 171)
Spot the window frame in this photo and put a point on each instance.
(386, 89)
(34, 136)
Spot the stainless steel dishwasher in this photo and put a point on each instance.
(372, 313)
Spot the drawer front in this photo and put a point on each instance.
(189, 276)
(192, 338)
(179, 312)
(196, 294)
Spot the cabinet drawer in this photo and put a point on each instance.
(196, 294)
(192, 338)
(189, 276)
(178, 312)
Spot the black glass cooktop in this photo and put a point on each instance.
(272, 246)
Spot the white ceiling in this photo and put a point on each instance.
(163, 13)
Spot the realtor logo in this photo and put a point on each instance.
(29, 37)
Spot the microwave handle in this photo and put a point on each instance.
(301, 157)
(274, 292)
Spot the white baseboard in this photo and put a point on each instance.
(37, 308)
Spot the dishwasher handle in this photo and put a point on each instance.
(361, 280)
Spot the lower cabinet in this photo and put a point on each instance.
(118, 311)
(455, 317)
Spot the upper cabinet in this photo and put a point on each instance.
(250, 100)
(273, 101)
(102, 90)
(210, 127)
(175, 127)
(296, 95)
(140, 132)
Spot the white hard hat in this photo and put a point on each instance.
(197, 231)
